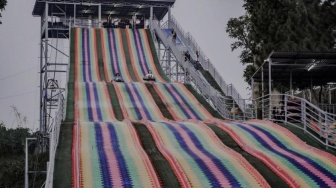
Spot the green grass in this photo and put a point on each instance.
(115, 103)
(205, 104)
(161, 165)
(62, 169)
(163, 108)
(272, 178)
(127, 55)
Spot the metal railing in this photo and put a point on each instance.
(330, 108)
(299, 112)
(219, 102)
(53, 139)
(191, 43)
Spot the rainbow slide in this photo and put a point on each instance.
(297, 163)
(180, 102)
(200, 159)
(111, 155)
(114, 55)
(93, 102)
(141, 55)
(85, 55)
(137, 102)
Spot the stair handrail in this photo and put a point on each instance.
(301, 113)
(189, 40)
(54, 138)
(207, 90)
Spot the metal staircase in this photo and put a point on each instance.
(223, 103)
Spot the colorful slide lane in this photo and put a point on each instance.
(141, 54)
(86, 57)
(111, 156)
(297, 163)
(93, 102)
(137, 102)
(114, 56)
(180, 102)
(200, 159)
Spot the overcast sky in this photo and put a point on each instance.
(19, 50)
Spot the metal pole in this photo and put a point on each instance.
(262, 92)
(291, 83)
(151, 18)
(99, 15)
(270, 86)
(46, 40)
(41, 78)
(74, 24)
(169, 17)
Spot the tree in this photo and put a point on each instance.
(287, 25)
(3, 3)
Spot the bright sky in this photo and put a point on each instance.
(19, 50)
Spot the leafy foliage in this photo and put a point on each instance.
(12, 157)
(3, 3)
(282, 25)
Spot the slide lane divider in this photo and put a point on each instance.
(299, 142)
(306, 166)
(258, 154)
(133, 61)
(120, 100)
(185, 92)
(146, 56)
(246, 167)
(149, 55)
(181, 176)
(179, 114)
(149, 167)
(154, 55)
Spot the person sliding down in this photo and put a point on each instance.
(149, 76)
(117, 78)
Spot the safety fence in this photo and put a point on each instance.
(191, 43)
(299, 112)
(54, 137)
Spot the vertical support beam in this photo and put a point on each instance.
(151, 17)
(41, 76)
(291, 83)
(254, 102)
(262, 92)
(169, 17)
(44, 87)
(99, 16)
(74, 24)
(26, 166)
(270, 87)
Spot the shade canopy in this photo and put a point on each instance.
(304, 69)
(116, 8)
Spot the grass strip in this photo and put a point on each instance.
(155, 57)
(62, 169)
(163, 108)
(161, 165)
(100, 56)
(271, 177)
(205, 104)
(128, 55)
(115, 102)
